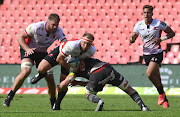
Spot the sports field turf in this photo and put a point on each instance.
(78, 106)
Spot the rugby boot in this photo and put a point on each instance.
(7, 101)
(37, 78)
(161, 98)
(145, 108)
(56, 107)
(100, 106)
(166, 104)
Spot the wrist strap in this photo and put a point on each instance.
(164, 38)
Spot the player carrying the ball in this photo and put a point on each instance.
(81, 48)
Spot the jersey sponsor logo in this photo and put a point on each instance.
(50, 55)
(68, 48)
(30, 28)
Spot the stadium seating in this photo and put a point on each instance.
(111, 22)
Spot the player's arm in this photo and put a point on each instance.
(21, 40)
(170, 33)
(133, 37)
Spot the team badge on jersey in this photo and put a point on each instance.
(68, 48)
(42, 29)
(30, 28)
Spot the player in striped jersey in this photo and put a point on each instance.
(150, 31)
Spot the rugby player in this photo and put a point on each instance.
(80, 48)
(99, 74)
(150, 31)
(34, 42)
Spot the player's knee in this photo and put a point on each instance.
(124, 85)
(41, 69)
(25, 72)
(149, 75)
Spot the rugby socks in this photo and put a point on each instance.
(93, 98)
(61, 95)
(52, 100)
(160, 90)
(11, 94)
(135, 96)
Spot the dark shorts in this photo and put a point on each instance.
(102, 76)
(36, 57)
(157, 58)
(51, 57)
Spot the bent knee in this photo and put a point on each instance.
(149, 74)
(25, 72)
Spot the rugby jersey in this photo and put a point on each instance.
(39, 38)
(148, 33)
(72, 48)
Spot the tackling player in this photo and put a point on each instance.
(34, 42)
(99, 74)
(150, 31)
(80, 48)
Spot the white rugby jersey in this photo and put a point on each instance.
(39, 38)
(147, 34)
(72, 48)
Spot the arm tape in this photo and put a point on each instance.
(164, 38)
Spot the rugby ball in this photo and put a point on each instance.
(73, 62)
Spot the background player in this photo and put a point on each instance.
(150, 31)
(34, 42)
(99, 74)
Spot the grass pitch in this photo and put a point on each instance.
(78, 106)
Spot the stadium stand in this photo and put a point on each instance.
(111, 22)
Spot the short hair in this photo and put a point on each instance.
(54, 16)
(149, 7)
(89, 36)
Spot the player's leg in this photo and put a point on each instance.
(154, 76)
(119, 81)
(135, 97)
(42, 69)
(51, 88)
(61, 93)
(92, 97)
(46, 64)
(26, 66)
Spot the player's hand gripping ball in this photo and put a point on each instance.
(73, 62)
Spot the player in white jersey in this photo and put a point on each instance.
(81, 48)
(150, 31)
(34, 42)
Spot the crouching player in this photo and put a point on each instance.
(99, 74)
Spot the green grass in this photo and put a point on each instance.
(78, 106)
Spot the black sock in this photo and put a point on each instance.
(52, 100)
(42, 75)
(60, 97)
(165, 99)
(160, 90)
(135, 96)
(93, 98)
(11, 94)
